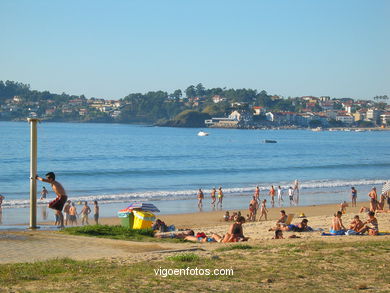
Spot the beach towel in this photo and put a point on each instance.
(330, 234)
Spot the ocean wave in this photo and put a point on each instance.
(314, 187)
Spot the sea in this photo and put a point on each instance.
(118, 164)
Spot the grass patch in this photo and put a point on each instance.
(234, 247)
(184, 257)
(113, 232)
(264, 270)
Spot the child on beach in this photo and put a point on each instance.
(253, 206)
(44, 193)
(272, 194)
(84, 213)
(356, 224)
(213, 197)
(66, 212)
(226, 217)
(343, 207)
(263, 210)
(96, 212)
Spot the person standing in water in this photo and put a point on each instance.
(220, 196)
(280, 196)
(44, 193)
(257, 193)
(353, 196)
(96, 212)
(200, 198)
(296, 192)
(213, 196)
(58, 203)
(272, 194)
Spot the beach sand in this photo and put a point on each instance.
(28, 246)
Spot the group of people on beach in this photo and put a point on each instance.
(200, 196)
(61, 203)
(356, 227)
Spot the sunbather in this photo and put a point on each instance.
(371, 225)
(301, 227)
(177, 235)
(356, 224)
(337, 227)
(201, 237)
(279, 235)
(235, 233)
(283, 218)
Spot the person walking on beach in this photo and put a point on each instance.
(272, 194)
(2, 197)
(66, 212)
(96, 212)
(220, 196)
(257, 193)
(263, 210)
(213, 196)
(353, 196)
(84, 214)
(200, 198)
(291, 195)
(373, 199)
(296, 192)
(44, 193)
(253, 206)
(280, 196)
(58, 203)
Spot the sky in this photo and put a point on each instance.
(108, 49)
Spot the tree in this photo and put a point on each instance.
(190, 92)
(315, 123)
(177, 94)
(200, 90)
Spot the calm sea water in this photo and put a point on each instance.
(117, 163)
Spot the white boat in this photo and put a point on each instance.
(202, 133)
(317, 129)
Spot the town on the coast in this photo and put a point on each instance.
(197, 106)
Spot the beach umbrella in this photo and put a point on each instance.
(386, 187)
(147, 207)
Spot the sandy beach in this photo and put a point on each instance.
(28, 246)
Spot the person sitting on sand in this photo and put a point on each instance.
(371, 225)
(226, 217)
(337, 227)
(283, 218)
(356, 224)
(248, 218)
(381, 203)
(160, 226)
(233, 217)
(235, 233)
(343, 207)
(263, 210)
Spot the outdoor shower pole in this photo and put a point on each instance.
(33, 172)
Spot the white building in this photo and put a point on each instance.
(347, 119)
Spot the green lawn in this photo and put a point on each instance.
(284, 267)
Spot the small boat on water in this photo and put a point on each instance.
(202, 133)
(317, 129)
(269, 141)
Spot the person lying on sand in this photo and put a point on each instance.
(356, 224)
(337, 227)
(201, 237)
(235, 233)
(160, 226)
(364, 210)
(279, 235)
(177, 235)
(371, 225)
(301, 227)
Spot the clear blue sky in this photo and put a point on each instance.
(108, 49)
